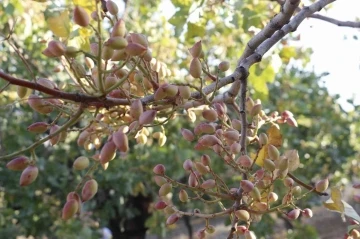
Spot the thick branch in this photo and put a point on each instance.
(275, 24)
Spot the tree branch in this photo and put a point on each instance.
(335, 21)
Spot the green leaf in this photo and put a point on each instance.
(9, 9)
(350, 212)
(182, 3)
(194, 31)
(179, 20)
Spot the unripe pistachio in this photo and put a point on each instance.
(224, 66)
(81, 163)
(40, 105)
(195, 68)
(184, 92)
(172, 219)
(121, 141)
(256, 109)
(54, 139)
(210, 229)
(89, 190)
(240, 230)
(269, 165)
(236, 124)
(21, 91)
(116, 43)
(210, 115)
(160, 93)
(192, 180)
(273, 152)
(135, 49)
(292, 122)
(29, 175)
(119, 55)
(255, 194)
(159, 169)
(208, 184)
(201, 234)
(139, 39)
(231, 135)
(73, 196)
(201, 168)
(38, 127)
(81, 17)
(71, 51)
(171, 90)
(246, 186)
(83, 136)
(112, 7)
(69, 209)
(209, 140)
(281, 174)
(183, 196)
(288, 182)
(260, 174)
(136, 109)
(160, 205)
(165, 189)
(147, 117)
(296, 191)
(205, 159)
(262, 206)
(293, 214)
(204, 128)
(196, 49)
(322, 185)
(108, 152)
(355, 234)
(244, 161)
(18, 164)
(263, 139)
(169, 210)
(307, 212)
(48, 53)
(250, 235)
(286, 114)
(56, 48)
(159, 180)
(119, 29)
(187, 134)
(107, 52)
(272, 197)
(109, 82)
(187, 165)
(242, 215)
(284, 164)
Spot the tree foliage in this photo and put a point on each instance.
(151, 103)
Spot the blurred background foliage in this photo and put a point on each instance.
(327, 137)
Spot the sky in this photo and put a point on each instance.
(335, 50)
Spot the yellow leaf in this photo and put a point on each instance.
(89, 6)
(335, 203)
(59, 23)
(274, 134)
(275, 138)
(261, 156)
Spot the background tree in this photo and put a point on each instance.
(126, 189)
